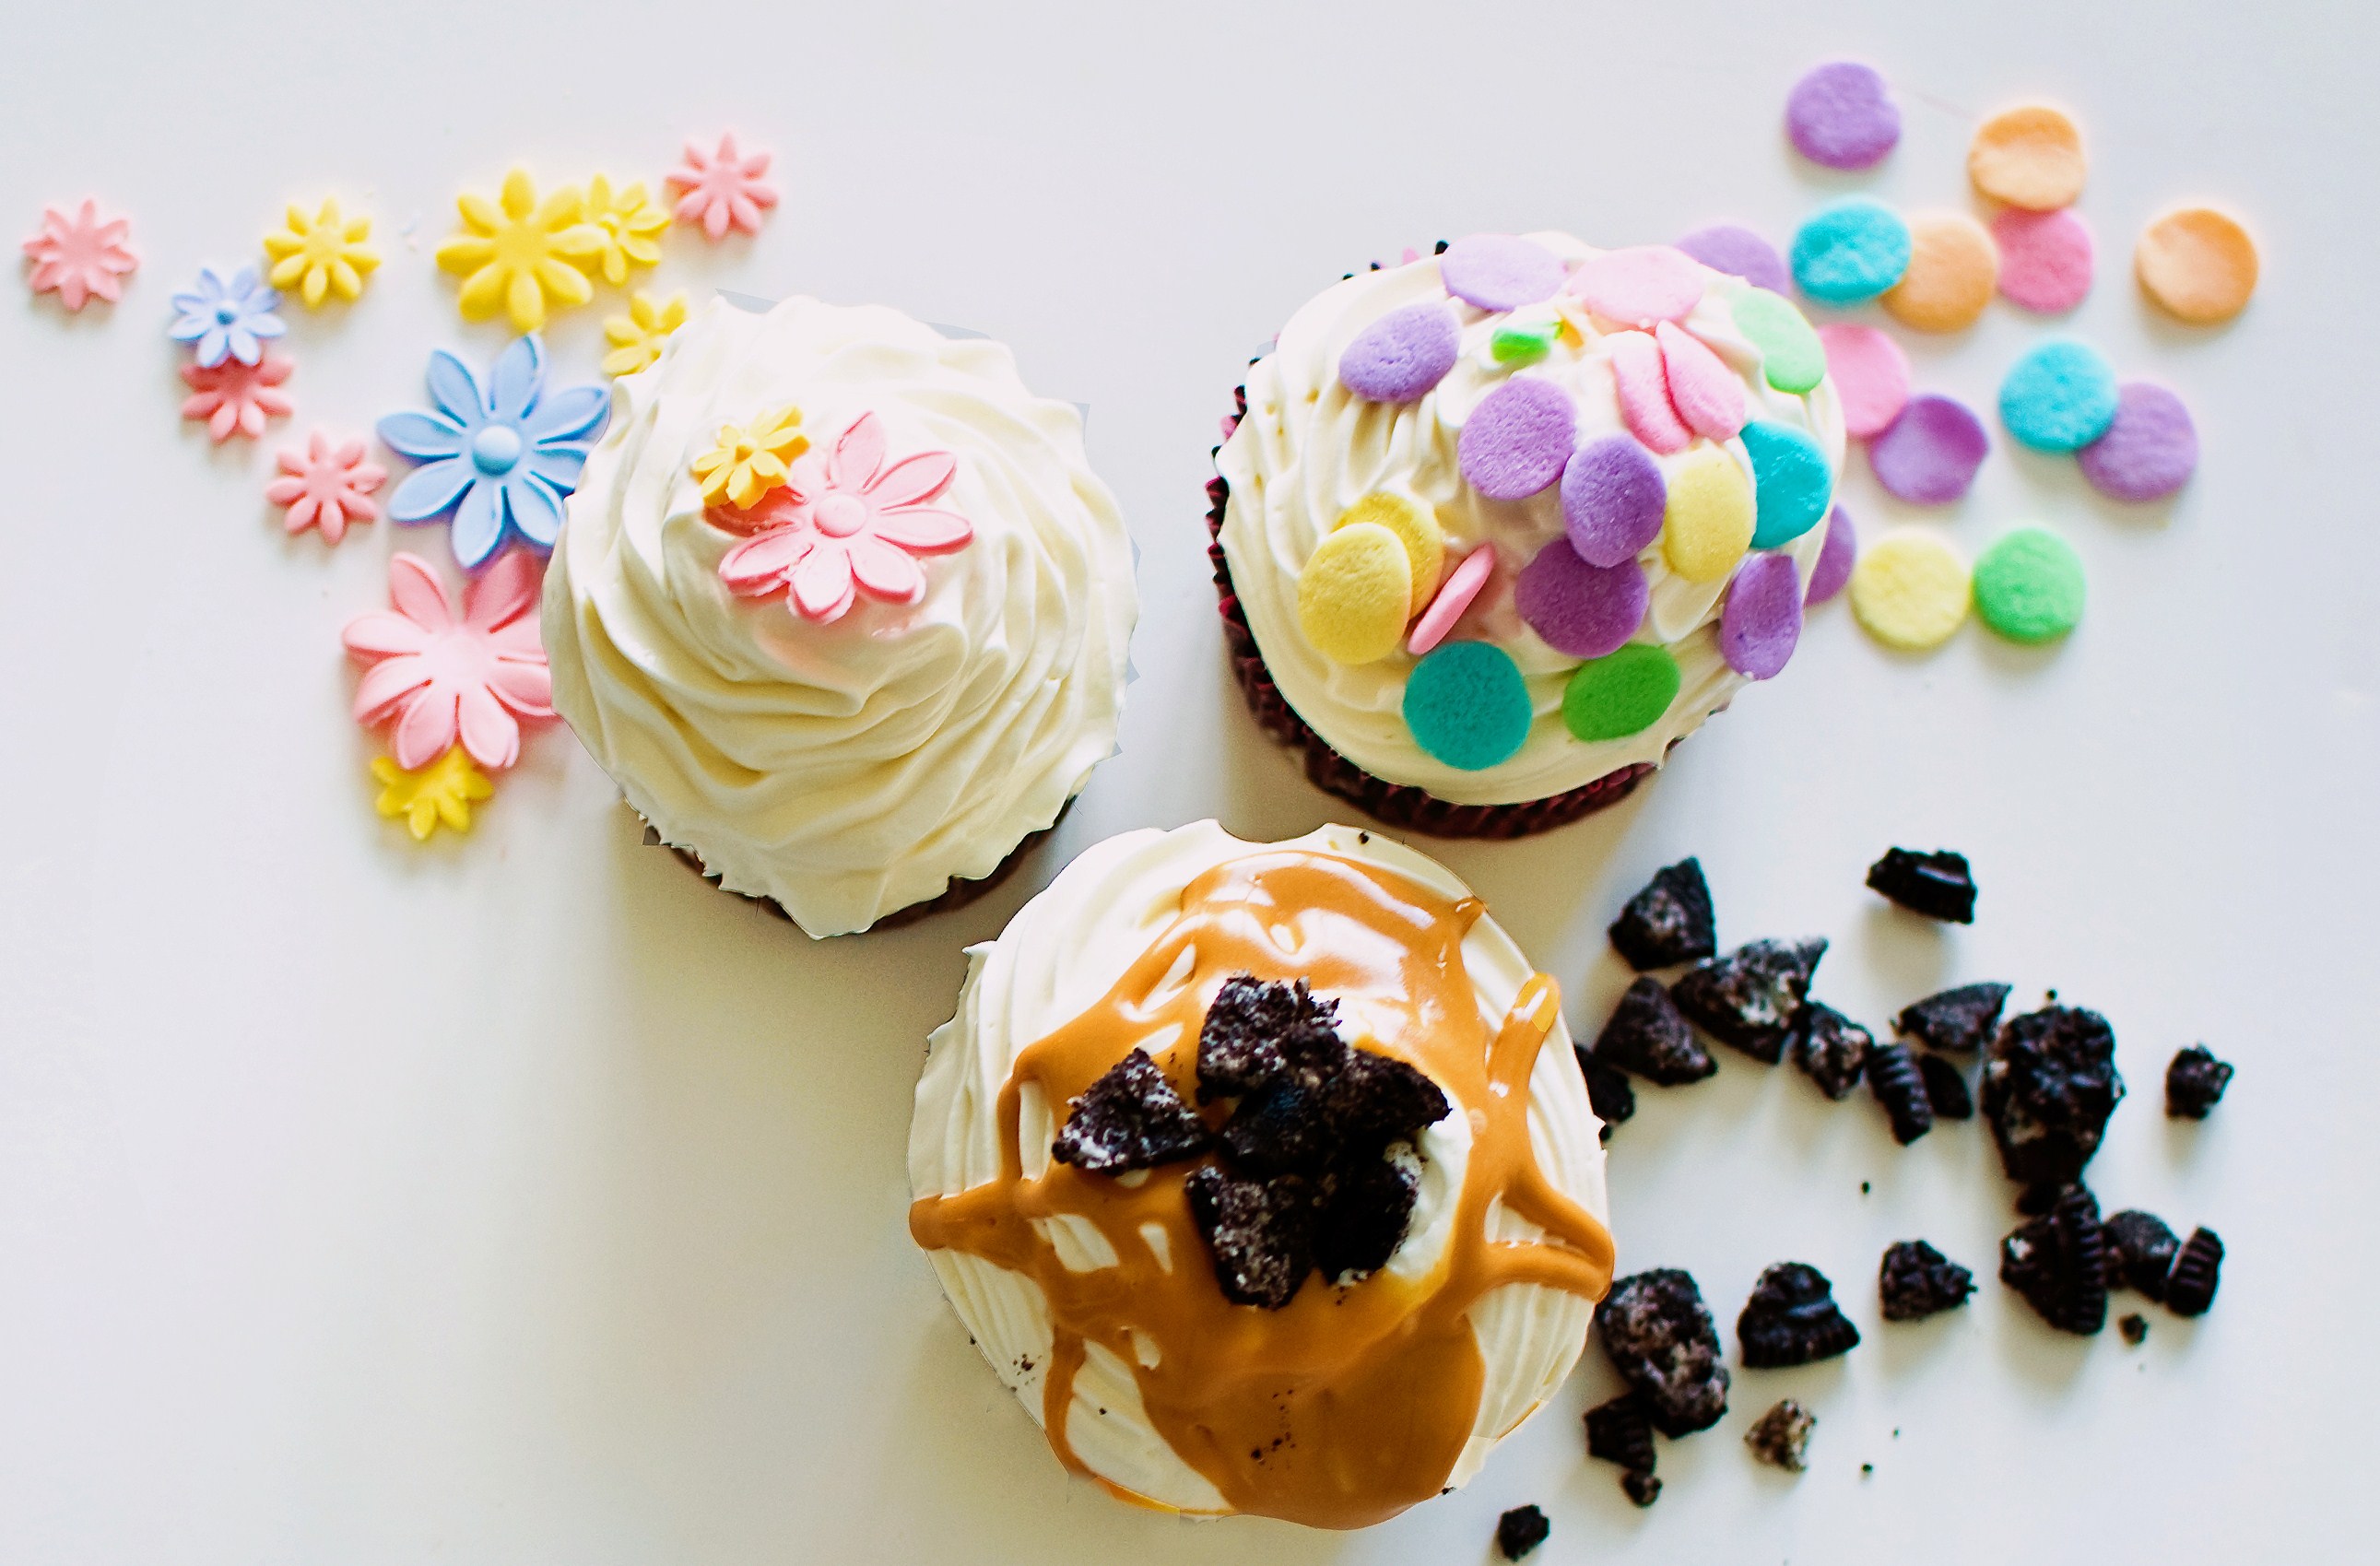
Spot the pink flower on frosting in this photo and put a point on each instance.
(847, 524)
(235, 397)
(440, 677)
(326, 486)
(80, 257)
(722, 188)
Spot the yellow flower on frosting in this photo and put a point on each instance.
(323, 254)
(518, 255)
(749, 459)
(439, 794)
(636, 337)
(629, 222)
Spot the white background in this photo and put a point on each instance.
(518, 1199)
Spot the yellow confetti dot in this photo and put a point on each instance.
(1708, 523)
(1953, 269)
(1355, 593)
(2199, 263)
(1910, 590)
(2030, 156)
(1415, 526)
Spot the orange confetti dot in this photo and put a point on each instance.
(2030, 156)
(2199, 263)
(1953, 269)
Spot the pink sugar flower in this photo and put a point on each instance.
(438, 676)
(80, 257)
(236, 397)
(326, 486)
(848, 524)
(722, 188)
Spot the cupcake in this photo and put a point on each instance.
(1263, 1173)
(1496, 528)
(842, 607)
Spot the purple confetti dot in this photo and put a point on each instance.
(1835, 557)
(1762, 621)
(1740, 252)
(1517, 438)
(1930, 453)
(1842, 116)
(1500, 272)
(1613, 499)
(1584, 610)
(2149, 451)
(1400, 357)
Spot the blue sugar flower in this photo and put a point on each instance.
(230, 319)
(500, 459)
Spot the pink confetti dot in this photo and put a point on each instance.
(1870, 376)
(1462, 585)
(2045, 259)
(1641, 285)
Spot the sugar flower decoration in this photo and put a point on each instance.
(636, 337)
(81, 258)
(441, 677)
(326, 486)
(519, 254)
(630, 223)
(236, 398)
(722, 188)
(438, 794)
(230, 318)
(323, 254)
(749, 459)
(500, 458)
(849, 525)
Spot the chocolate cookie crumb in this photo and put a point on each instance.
(1829, 1048)
(1520, 1530)
(1375, 1101)
(1647, 1036)
(2139, 1253)
(1945, 1088)
(2194, 1083)
(1747, 999)
(1893, 1077)
(1916, 1281)
(2196, 1272)
(1607, 1090)
(2058, 1262)
(1621, 1431)
(1781, 1436)
(1278, 1128)
(1258, 1030)
(1362, 1219)
(1642, 1488)
(1129, 1119)
(2134, 1327)
(1938, 886)
(1957, 1020)
(1659, 1336)
(2049, 1085)
(1259, 1232)
(1792, 1319)
(1669, 921)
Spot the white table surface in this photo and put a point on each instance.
(518, 1200)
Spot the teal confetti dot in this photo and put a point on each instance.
(1850, 250)
(1467, 705)
(1789, 480)
(2059, 397)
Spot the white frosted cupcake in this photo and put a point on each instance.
(841, 607)
(1263, 1173)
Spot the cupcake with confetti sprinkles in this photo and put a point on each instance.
(1496, 528)
(842, 607)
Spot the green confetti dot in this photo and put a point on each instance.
(1620, 694)
(2029, 585)
(1524, 342)
(1790, 355)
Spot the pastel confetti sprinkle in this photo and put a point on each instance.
(1467, 705)
(1761, 621)
(2198, 263)
(1871, 377)
(1909, 591)
(1643, 388)
(1789, 480)
(1516, 442)
(1929, 454)
(1584, 610)
(1851, 250)
(2150, 449)
(1400, 357)
(1841, 115)
(1522, 342)
(1725, 247)
(1953, 270)
(1415, 526)
(1640, 285)
(1835, 557)
(1793, 358)
(80, 258)
(1354, 594)
(1613, 498)
(1622, 694)
(2029, 585)
(1702, 388)
(2045, 259)
(1708, 522)
(2058, 398)
(1463, 586)
(2030, 156)
(1499, 270)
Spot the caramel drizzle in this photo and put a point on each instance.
(1351, 1404)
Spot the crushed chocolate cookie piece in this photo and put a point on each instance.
(1375, 1101)
(1828, 1047)
(1659, 1336)
(1258, 1030)
(1781, 1436)
(1129, 1119)
(2049, 1085)
(1957, 1020)
(1916, 1281)
(1938, 886)
(2194, 1083)
(1362, 1217)
(1278, 1128)
(1648, 1036)
(1893, 1077)
(2139, 1253)
(1520, 1531)
(1642, 1487)
(1946, 1087)
(1792, 1319)
(2134, 1327)
(2035, 1200)
(1621, 1431)
(2058, 1262)
(1745, 998)
(1607, 1091)
(1669, 921)
(2197, 1270)
(1259, 1232)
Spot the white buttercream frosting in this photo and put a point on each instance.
(1308, 448)
(1065, 951)
(849, 768)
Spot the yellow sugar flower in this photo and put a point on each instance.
(516, 256)
(439, 794)
(749, 460)
(629, 222)
(323, 254)
(636, 337)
